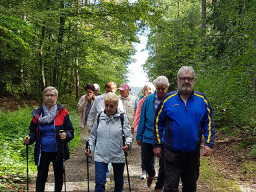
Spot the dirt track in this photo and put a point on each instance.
(76, 174)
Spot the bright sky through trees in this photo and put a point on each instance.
(137, 77)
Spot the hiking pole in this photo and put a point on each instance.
(87, 147)
(63, 156)
(27, 160)
(126, 154)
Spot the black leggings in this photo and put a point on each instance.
(43, 168)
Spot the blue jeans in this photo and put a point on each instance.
(100, 176)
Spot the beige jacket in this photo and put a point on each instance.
(129, 107)
(81, 106)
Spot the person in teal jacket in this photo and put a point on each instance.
(181, 119)
(144, 135)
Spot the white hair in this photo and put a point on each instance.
(186, 69)
(161, 80)
(148, 85)
(96, 86)
(49, 89)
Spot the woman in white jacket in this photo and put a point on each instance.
(107, 143)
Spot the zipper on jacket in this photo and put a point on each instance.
(56, 139)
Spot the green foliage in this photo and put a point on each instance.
(245, 144)
(57, 41)
(13, 128)
(174, 40)
(224, 61)
(249, 168)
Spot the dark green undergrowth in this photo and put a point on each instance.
(13, 127)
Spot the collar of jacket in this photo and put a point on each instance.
(111, 117)
(192, 93)
(126, 98)
(39, 110)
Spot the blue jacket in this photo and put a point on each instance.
(61, 122)
(146, 122)
(181, 126)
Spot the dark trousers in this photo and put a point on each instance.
(148, 161)
(181, 165)
(142, 165)
(43, 168)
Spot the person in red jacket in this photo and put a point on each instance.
(45, 129)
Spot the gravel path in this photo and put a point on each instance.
(76, 174)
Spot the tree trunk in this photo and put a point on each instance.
(59, 48)
(76, 59)
(203, 28)
(41, 63)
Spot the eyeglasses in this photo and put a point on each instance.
(160, 88)
(49, 95)
(186, 78)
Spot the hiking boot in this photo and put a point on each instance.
(143, 175)
(158, 190)
(150, 181)
(107, 178)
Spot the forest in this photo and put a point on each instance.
(69, 43)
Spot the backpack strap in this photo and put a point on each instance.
(98, 121)
(122, 124)
(122, 121)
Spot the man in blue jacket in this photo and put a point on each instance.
(180, 120)
(144, 135)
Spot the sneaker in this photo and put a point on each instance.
(107, 179)
(150, 181)
(156, 174)
(143, 175)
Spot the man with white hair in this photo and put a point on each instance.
(181, 119)
(144, 135)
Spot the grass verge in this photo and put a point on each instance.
(211, 175)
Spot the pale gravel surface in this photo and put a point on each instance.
(76, 175)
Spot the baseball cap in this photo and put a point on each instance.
(123, 87)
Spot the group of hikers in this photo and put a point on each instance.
(168, 126)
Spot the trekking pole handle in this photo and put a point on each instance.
(61, 131)
(87, 146)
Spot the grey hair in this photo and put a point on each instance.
(148, 85)
(186, 69)
(49, 89)
(96, 86)
(111, 97)
(161, 80)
